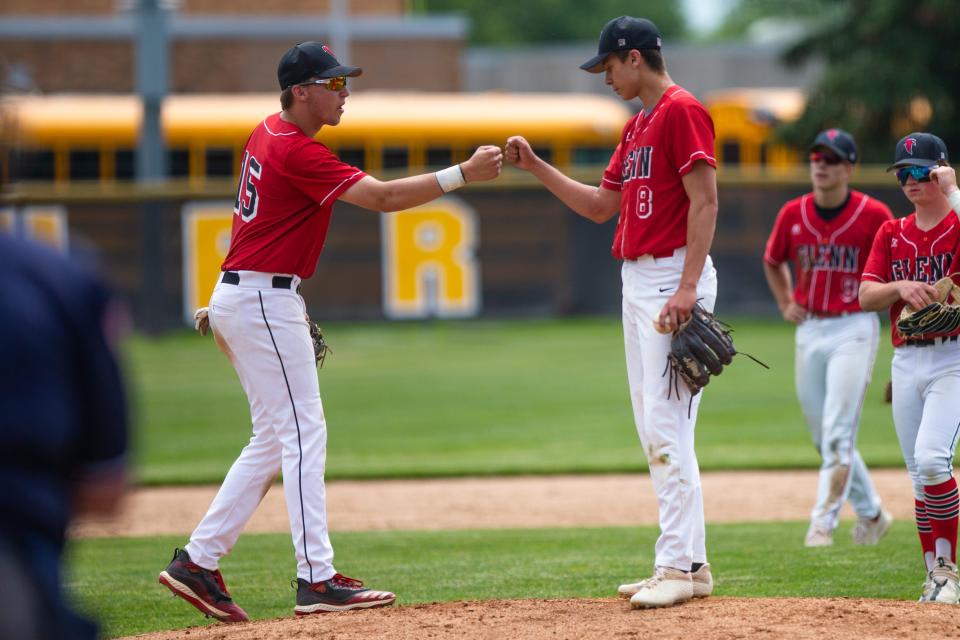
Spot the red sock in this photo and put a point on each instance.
(923, 529)
(943, 506)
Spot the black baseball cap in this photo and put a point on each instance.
(919, 150)
(838, 141)
(311, 60)
(623, 34)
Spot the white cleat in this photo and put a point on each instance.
(870, 530)
(927, 588)
(667, 587)
(702, 581)
(817, 537)
(944, 585)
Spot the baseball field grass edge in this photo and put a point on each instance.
(117, 578)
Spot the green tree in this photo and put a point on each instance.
(745, 13)
(892, 68)
(521, 22)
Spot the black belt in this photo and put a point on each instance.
(279, 282)
(931, 341)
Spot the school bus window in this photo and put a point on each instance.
(352, 157)
(35, 165)
(178, 163)
(546, 153)
(125, 162)
(730, 152)
(592, 155)
(764, 150)
(396, 157)
(84, 164)
(439, 157)
(219, 162)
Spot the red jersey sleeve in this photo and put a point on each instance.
(691, 136)
(315, 171)
(877, 267)
(613, 174)
(777, 251)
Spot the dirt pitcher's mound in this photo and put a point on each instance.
(713, 618)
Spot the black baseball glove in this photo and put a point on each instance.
(936, 318)
(320, 346)
(939, 317)
(700, 348)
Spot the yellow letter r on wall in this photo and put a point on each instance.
(429, 266)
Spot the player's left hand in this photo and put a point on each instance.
(485, 164)
(677, 309)
(946, 178)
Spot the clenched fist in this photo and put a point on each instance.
(519, 153)
(484, 164)
(946, 179)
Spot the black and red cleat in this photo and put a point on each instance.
(202, 588)
(339, 593)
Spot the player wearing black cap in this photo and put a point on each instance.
(661, 181)
(289, 182)
(908, 257)
(813, 260)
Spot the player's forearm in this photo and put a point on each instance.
(876, 296)
(780, 283)
(583, 199)
(404, 193)
(701, 224)
(954, 199)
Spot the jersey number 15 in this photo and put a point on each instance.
(246, 203)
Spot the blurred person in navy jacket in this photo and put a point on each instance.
(63, 424)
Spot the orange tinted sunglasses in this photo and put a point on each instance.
(333, 84)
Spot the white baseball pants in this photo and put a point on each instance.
(833, 366)
(264, 333)
(666, 430)
(926, 387)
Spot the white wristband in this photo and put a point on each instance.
(954, 199)
(450, 178)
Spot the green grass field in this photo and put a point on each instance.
(483, 397)
(480, 397)
(117, 578)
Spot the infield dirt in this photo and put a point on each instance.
(500, 503)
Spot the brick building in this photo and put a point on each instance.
(221, 46)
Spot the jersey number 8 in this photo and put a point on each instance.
(644, 202)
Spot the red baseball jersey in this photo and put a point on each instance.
(827, 256)
(902, 251)
(656, 150)
(288, 184)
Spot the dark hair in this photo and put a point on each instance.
(286, 98)
(652, 57)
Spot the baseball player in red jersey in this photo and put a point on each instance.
(288, 185)
(825, 237)
(908, 255)
(662, 181)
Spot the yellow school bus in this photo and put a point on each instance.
(744, 120)
(66, 139)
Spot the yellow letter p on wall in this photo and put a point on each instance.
(429, 265)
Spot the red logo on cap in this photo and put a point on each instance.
(908, 145)
(832, 134)
(329, 50)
